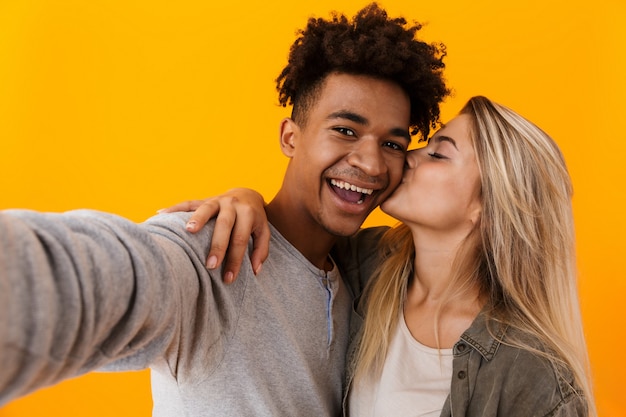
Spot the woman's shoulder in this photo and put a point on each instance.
(511, 348)
(524, 367)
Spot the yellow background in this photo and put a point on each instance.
(132, 105)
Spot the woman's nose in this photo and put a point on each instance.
(411, 159)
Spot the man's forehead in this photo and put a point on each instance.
(357, 93)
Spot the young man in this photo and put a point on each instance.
(83, 290)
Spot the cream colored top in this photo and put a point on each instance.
(415, 381)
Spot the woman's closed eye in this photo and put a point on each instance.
(436, 155)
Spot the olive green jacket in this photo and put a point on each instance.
(489, 378)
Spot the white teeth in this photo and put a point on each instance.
(351, 187)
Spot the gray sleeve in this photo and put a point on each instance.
(81, 289)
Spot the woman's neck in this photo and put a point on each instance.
(435, 254)
(426, 307)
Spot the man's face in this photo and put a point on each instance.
(349, 155)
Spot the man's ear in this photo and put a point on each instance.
(289, 131)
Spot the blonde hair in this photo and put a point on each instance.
(521, 254)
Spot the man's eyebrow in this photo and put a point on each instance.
(357, 118)
(404, 133)
(346, 114)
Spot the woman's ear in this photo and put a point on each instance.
(289, 131)
(475, 211)
(475, 216)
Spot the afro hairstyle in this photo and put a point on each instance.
(371, 44)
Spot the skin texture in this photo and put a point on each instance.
(357, 133)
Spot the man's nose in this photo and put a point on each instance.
(368, 156)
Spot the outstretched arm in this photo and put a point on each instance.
(240, 213)
(79, 290)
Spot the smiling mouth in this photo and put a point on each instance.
(350, 192)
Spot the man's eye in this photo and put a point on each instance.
(436, 155)
(345, 131)
(395, 146)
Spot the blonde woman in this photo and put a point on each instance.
(473, 309)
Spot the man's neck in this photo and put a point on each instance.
(303, 232)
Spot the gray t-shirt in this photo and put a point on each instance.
(86, 289)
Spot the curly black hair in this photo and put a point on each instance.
(371, 44)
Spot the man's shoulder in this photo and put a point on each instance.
(359, 247)
(172, 225)
(359, 255)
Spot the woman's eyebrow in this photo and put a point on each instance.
(443, 138)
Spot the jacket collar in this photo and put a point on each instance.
(485, 335)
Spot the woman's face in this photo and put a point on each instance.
(440, 189)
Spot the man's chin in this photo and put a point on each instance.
(344, 230)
